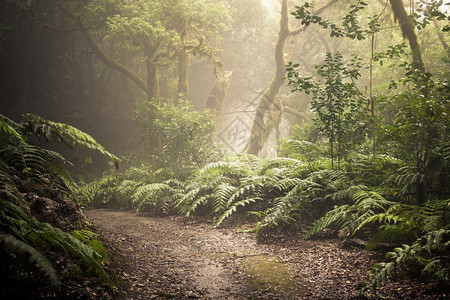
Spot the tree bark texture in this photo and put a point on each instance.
(109, 61)
(152, 70)
(184, 61)
(255, 143)
(260, 131)
(218, 94)
(408, 32)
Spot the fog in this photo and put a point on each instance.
(91, 74)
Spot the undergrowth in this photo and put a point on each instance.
(30, 170)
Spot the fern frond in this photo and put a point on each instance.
(197, 203)
(248, 189)
(12, 130)
(149, 194)
(38, 259)
(72, 246)
(339, 217)
(429, 253)
(63, 133)
(126, 189)
(232, 209)
(281, 162)
(221, 196)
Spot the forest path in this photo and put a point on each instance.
(169, 258)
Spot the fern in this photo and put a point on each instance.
(22, 166)
(90, 238)
(150, 195)
(37, 163)
(427, 256)
(99, 192)
(304, 150)
(12, 131)
(338, 217)
(72, 246)
(199, 201)
(366, 205)
(406, 221)
(62, 133)
(39, 260)
(234, 207)
(221, 197)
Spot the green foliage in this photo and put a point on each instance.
(90, 238)
(137, 190)
(427, 11)
(378, 171)
(179, 139)
(218, 183)
(335, 99)
(157, 21)
(407, 221)
(351, 217)
(428, 256)
(24, 168)
(61, 133)
(102, 192)
(43, 264)
(350, 26)
(418, 131)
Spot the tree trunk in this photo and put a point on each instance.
(255, 143)
(267, 100)
(152, 71)
(184, 61)
(109, 61)
(218, 94)
(407, 27)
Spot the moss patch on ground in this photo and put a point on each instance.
(268, 274)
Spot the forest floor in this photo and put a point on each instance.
(174, 257)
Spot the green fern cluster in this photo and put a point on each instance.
(428, 256)
(23, 234)
(219, 187)
(349, 217)
(100, 192)
(136, 189)
(25, 167)
(275, 190)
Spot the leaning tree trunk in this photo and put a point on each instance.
(439, 33)
(255, 143)
(408, 32)
(110, 62)
(260, 130)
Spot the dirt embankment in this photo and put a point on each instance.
(172, 258)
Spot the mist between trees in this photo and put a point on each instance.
(295, 116)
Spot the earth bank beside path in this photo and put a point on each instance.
(169, 257)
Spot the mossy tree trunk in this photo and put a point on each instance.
(256, 143)
(218, 94)
(267, 102)
(152, 69)
(184, 61)
(407, 27)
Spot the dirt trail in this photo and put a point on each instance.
(169, 258)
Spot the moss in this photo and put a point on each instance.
(269, 274)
